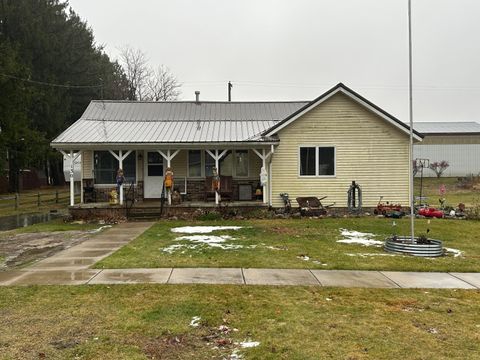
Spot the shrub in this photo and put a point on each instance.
(438, 167)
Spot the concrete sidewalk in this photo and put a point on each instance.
(239, 276)
(72, 267)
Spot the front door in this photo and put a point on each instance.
(153, 171)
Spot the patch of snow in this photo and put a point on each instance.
(276, 247)
(205, 239)
(202, 229)
(235, 355)
(99, 229)
(371, 254)
(304, 257)
(195, 321)
(172, 248)
(455, 252)
(357, 237)
(249, 344)
(328, 299)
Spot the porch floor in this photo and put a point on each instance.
(156, 204)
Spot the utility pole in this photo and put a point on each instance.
(230, 91)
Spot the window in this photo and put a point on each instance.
(307, 161)
(209, 164)
(106, 166)
(241, 162)
(317, 161)
(226, 164)
(154, 164)
(326, 161)
(194, 163)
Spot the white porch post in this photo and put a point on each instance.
(264, 156)
(217, 195)
(72, 180)
(169, 156)
(81, 178)
(72, 156)
(120, 157)
(217, 156)
(120, 166)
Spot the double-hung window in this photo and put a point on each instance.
(317, 161)
(106, 167)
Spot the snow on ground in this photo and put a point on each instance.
(357, 237)
(195, 321)
(99, 229)
(455, 252)
(198, 241)
(202, 229)
(249, 344)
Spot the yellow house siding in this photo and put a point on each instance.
(87, 164)
(368, 150)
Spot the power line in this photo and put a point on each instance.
(51, 84)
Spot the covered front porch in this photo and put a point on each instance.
(243, 175)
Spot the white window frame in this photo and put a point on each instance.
(203, 162)
(317, 151)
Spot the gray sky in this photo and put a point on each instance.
(297, 49)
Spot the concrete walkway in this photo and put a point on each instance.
(71, 267)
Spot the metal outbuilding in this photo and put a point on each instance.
(456, 142)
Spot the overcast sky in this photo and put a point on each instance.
(297, 49)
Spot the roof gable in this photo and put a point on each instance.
(341, 88)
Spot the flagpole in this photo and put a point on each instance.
(410, 173)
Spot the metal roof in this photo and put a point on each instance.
(175, 122)
(464, 127)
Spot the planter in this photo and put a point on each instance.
(403, 245)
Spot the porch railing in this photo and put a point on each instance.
(129, 199)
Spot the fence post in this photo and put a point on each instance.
(56, 196)
(38, 199)
(17, 201)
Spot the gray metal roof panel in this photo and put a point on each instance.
(150, 122)
(463, 127)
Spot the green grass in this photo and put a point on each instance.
(152, 321)
(315, 238)
(454, 194)
(53, 225)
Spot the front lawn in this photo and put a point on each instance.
(305, 243)
(153, 322)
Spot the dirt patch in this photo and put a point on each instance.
(19, 249)
(285, 230)
(182, 346)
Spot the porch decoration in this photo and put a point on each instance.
(113, 197)
(120, 157)
(168, 183)
(120, 179)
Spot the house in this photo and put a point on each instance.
(305, 148)
(456, 142)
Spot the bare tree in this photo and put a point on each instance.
(135, 65)
(162, 85)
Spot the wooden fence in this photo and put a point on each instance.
(31, 200)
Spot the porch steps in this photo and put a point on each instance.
(145, 215)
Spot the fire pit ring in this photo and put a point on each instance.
(403, 245)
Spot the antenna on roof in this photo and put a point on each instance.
(230, 86)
